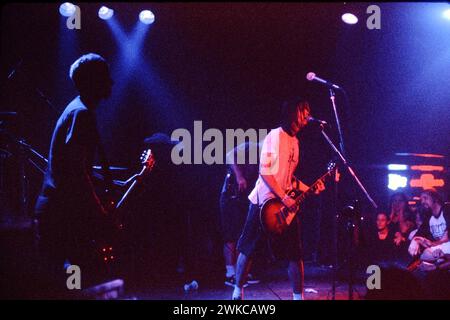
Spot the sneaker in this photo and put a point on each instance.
(237, 294)
(231, 281)
(252, 280)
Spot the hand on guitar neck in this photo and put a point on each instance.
(290, 201)
(318, 186)
(113, 207)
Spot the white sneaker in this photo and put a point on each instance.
(252, 280)
(426, 266)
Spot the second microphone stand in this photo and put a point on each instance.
(340, 154)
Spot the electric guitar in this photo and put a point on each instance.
(275, 218)
(148, 162)
(106, 244)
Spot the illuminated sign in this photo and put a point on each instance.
(426, 181)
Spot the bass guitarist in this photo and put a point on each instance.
(68, 210)
(279, 159)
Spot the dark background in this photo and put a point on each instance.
(230, 66)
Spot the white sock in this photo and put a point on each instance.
(230, 270)
(297, 296)
(237, 292)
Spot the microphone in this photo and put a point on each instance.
(311, 76)
(321, 122)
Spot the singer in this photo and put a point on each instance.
(279, 159)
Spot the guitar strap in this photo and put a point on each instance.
(257, 194)
(257, 198)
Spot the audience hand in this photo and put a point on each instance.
(414, 247)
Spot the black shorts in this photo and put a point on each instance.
(253, 239)
(233, 212)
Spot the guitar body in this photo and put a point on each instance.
(275, 218)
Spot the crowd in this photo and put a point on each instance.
(414, 236)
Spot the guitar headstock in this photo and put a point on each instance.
(147, 159)
(331, 165)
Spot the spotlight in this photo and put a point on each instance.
(349, 18)
(147, 17)
(67, 9)
(446, 14)
(105, 13)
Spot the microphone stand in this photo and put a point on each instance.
(338, 123)
(340, 154)
(335, 193)
(355, 177)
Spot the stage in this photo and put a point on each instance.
(158, 143)
(274, 285)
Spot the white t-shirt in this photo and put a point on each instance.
(279, 157)
(438, 226)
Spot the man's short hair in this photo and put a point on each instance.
(87, 68)
(434, 194)
(289, 108)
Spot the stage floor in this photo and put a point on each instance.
(274, 285)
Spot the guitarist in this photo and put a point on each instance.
(239, 180)
(68, 211)
(278, 161)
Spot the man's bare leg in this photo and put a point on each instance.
(229, 254)
(296, 276)
(242, 266)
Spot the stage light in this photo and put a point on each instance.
(67, 9)
(105, 13)
(397, 181)
(427, 168)
(147, 17)
(397, 167)
(446, 14)
(427, 181)
(349, 18)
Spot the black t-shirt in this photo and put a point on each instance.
(68, 179)
(249, 170)
(425, 229)
(380, 250)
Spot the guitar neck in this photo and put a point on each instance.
(303, 195)
(135, 181)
